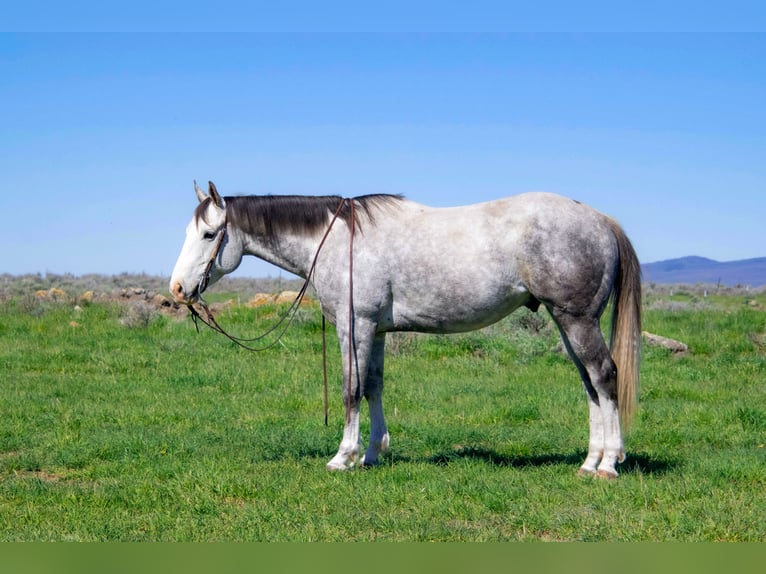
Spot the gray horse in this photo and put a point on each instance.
(389, 264)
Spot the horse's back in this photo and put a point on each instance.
(513, 236)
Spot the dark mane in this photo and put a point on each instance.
(272, 215)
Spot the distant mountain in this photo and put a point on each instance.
(692, 270)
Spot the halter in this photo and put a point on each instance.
(289, 315)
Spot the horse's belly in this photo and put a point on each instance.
(431, 313)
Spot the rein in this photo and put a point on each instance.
(351, 346)
(290, 313)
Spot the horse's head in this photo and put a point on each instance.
(209, 251)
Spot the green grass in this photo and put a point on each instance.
(116, 429)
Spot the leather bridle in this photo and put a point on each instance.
(203, 282)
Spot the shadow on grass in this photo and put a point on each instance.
(638, 463)
(635, 463)
(641, 463)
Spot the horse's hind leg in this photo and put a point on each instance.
(373, 391)
(585, 343)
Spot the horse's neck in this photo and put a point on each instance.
(291, 253)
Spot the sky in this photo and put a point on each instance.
(103, 134)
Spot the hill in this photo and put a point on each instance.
(692, 270)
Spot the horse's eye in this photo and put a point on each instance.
(208, 235)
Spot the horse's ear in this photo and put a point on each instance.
(214, 194)
(200, 194)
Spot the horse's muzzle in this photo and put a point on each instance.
(180, 295)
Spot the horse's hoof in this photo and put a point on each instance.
(587, 472)
(341, 463)
(337, 467)
(607, 474)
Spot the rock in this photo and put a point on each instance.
(52, 294)
(129, 292)
(286, 297)
(675, 347)
(161, 301)
(261, 299)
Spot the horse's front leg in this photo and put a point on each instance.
(355, 361)
(373, 392)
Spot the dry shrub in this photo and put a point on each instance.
(138, 315)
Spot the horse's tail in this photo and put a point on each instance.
(625, 339)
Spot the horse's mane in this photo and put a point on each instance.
(272, 215)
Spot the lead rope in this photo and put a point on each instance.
(324, 371)
(351, 347)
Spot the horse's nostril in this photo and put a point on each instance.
(177, 289)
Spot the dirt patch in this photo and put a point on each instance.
(41, 475)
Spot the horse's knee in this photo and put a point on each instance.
(351, 399)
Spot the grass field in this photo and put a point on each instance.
(124, 424)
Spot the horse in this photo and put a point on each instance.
(382, 263)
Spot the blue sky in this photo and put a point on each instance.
(102, 134)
